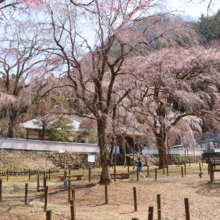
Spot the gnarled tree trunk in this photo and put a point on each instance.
(104, 153)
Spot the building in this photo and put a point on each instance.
(34, 127)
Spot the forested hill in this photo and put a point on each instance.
(209, 27)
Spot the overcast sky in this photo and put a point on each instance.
(194, 9)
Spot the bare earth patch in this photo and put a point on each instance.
(203, 196)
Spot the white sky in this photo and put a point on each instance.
(194, 9)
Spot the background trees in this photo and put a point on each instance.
(175, 84)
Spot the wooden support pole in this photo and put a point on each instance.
(106, 192)
(29, 175)
(26, 193)
(185, 168)
(135, 198)
(151, 213)
(38, 183)
(69, 190)
(45, 182)
(73, 195)
(49, 215)
(73, 209)
(182, 170)
(148, 171)
(46, 198)
(7, 174)
(167, 170)
(137, 174)
(186, 200)
(0, 190)
(155, 173)
(89, 174)
(69, 173)
(209, 167)
(114, 174)
(200, 168)
(49, 179)
(159, 206)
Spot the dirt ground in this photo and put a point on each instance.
(204, 202)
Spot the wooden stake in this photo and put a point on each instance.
(73, 209)
(0, 190)
(49, 179)
(45, 182)
(185, 169)
(114, 174)
(49, 215)
(26, 193)
(167, 170)
(69, 173)
(46, 198)
(106, 192)
(200, 168)
(38, 183)
(151, 213)
(186, 200)
(155, 173)
(159, 206)
(29, 175)
(7, 174)
(137, 174)
(69, 190)
(89, 174)
(148, 173)
(73, 195)
(182, 170)
(135, 198)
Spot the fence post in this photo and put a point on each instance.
(30, 174)
(45, 182)
(167, 170)
(73, 209)
(46, 198)
(73, 195)
(69, 190)
(182, 170)
(26, 193)
(106, 192)
(155, 173)
(200, 168)
(0, 190)
(137, 174)
(159, 206)
(114, 174)
(89, 174)
(49, 179)
(49, 215)
(151, 213)
(186, 200)
(7, 174)
(38, 183)
(135, 198)
(148, 172)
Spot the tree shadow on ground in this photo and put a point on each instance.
(209, 189)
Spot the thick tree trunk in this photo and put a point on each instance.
(11, 123)
(104, 153)
(161, 149)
